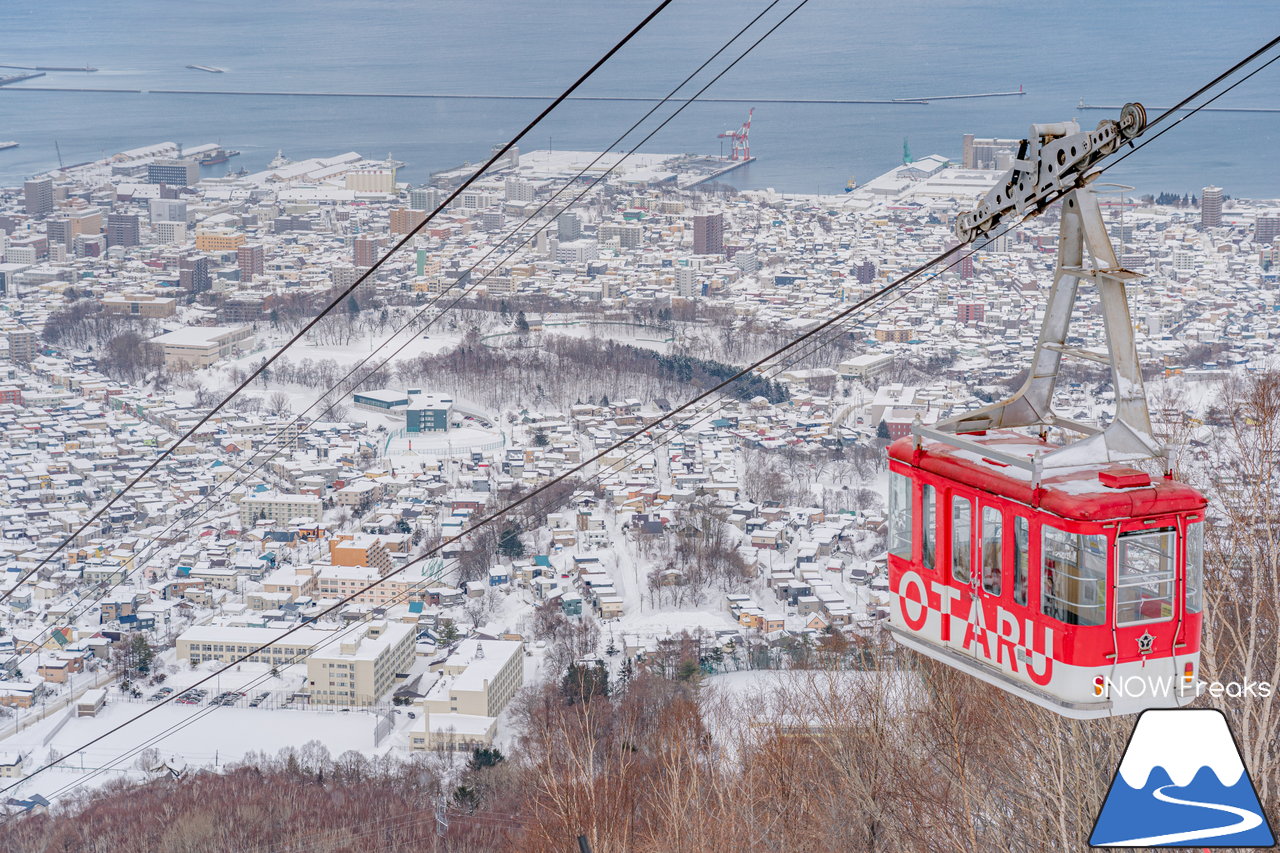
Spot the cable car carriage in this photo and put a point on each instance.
(1059, 572)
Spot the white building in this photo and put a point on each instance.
(201, 346)
(280, 508)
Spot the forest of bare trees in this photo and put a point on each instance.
(901, 759)
(119, 343)
(557, 373)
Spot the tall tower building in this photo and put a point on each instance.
(193, 274)
(569, 227)
(66, 228)
(1267, 227)
(518, 190)
(687, 282)
(175, 173)
(58, 230)
(22, 345)
(168, 210)
(403, 221)
(708, 234)
(252, 261)
(1211, 207)
(37, 196)
(364, 251)
(425, 198)
(122, 229)
(865, 271)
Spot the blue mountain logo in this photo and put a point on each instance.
(1182, 783)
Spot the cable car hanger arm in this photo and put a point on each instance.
(1054, 159)
(1053, 163)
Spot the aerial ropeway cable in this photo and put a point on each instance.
(1062, 574)
(672, 430)
(497, 155)
(279, 440)
(668, 430)
(685, 103)
(1138, 604)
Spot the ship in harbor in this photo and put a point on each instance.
(221, 156)
(209, 155)
(7, 145)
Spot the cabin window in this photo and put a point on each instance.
(1021, 557)
(929, 528)
(1195, 567)
(1072, 586)
(992, 550)
(961, 537)
(900, 516)
(1144, 586)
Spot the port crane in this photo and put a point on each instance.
(1056, 572)
(740, 148)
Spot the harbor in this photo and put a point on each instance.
(676, 170)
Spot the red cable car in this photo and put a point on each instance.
(1081, 594)
(1057, 572)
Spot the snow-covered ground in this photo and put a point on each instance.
(203, 736)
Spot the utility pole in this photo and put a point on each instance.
(442, 818)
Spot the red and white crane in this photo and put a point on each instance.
(741, 142)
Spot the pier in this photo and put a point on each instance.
(964, 97)
(85, 68)
(492, 97)
(1153, 110)
(716, 172)
(6, 79)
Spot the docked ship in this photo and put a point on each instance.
(209, 155)
(220, 155)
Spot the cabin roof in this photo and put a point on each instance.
(1075, 493)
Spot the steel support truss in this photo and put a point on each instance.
(1085, 257)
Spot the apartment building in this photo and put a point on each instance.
(346, 581)
(347, 549)
(219, 240)
(280, 508)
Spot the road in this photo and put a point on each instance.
(36, 714)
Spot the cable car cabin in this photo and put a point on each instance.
(1081, 584)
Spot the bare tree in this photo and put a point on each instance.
(279, 404)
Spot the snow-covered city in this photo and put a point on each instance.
(548, 496)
